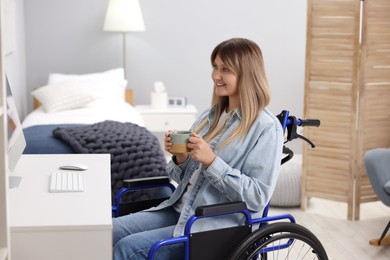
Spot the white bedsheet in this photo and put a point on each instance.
(97, 111)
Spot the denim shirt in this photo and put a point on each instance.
(244, 170)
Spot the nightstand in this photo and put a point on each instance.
(162, 120)
(159, 121)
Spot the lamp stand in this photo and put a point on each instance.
(124, 53)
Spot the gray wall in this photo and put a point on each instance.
(67, 37)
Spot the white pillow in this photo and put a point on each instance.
(64, 96)
(115, 75)
(105, 89)
(109, 84)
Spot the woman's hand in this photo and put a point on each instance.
(180, 157)
(200, 150)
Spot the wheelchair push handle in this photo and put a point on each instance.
(293, 122)
(308, 122)
(290, 125)
(289, 121)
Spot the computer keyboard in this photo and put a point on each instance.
(66, 181)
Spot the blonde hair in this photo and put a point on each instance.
(244, 57)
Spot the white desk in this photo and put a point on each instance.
(61, 226)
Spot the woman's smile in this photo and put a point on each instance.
(219, 84)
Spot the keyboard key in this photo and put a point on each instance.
(66, 181)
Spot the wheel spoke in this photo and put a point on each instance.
(282, 240)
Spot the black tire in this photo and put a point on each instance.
(304, 243)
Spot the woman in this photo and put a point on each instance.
(235, 152)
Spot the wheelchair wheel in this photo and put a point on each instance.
(282, 240)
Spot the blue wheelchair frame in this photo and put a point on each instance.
(288, 122)
(249, 221)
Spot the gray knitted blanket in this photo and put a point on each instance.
(135, 152)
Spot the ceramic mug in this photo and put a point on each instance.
(179, 140)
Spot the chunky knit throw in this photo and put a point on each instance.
(135, 152)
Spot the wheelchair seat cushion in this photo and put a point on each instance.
(387, 187)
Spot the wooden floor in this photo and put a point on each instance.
(342, 238)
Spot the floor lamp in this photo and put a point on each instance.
(124, 16)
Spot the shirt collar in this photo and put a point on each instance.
(236, 111)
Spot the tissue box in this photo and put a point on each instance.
(159, 100)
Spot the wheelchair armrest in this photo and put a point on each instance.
(220, 208)
(138, 182)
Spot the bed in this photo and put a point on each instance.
(93, 113)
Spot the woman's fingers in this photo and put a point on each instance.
(167, 140)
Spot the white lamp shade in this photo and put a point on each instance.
(124, 16)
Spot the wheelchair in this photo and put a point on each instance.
(268, 237)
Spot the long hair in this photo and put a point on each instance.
(244, 57)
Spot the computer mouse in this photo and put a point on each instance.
(75, 167)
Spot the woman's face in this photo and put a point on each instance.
(225, 80)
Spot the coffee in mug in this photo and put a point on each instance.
(179, 140)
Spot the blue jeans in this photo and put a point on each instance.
(135, 234)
